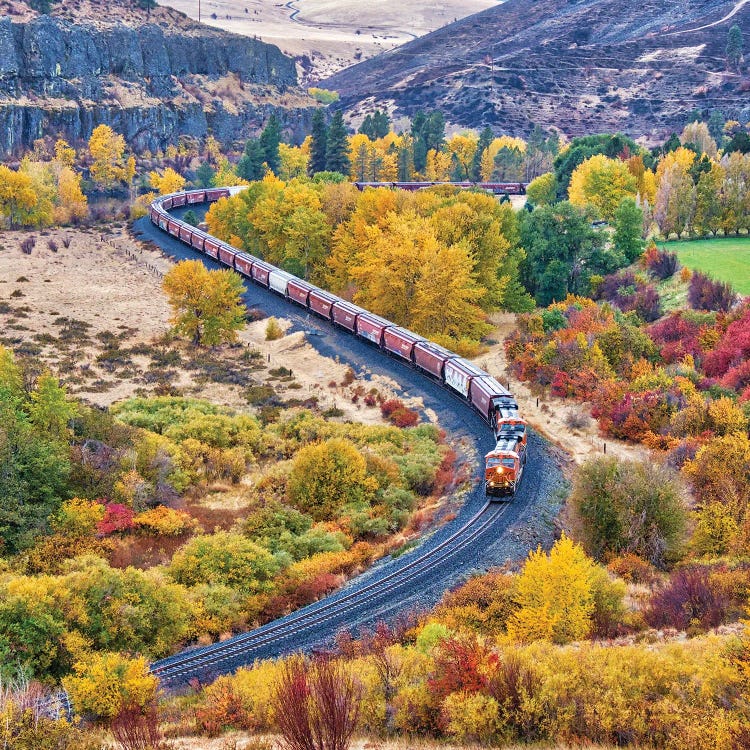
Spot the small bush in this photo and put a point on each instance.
(349, 377)
(577, 420)
(66, 241)
(273, 330)
(689, 600)
(52, 245)
(28, 245)
(661, 263)
(704, 293)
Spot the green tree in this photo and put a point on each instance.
(627, 506)
(251, 165)
(318, 143)
(628, 222)
(204, 175)
(337, 146)
(50, 410)
(326, 476)
(270, 139)
(562, 234)
(427, 132)
(734, 47)
(207, 305)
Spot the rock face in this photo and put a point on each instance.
(586, 66)
(151, 83)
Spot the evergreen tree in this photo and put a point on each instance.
(317, 161)
(367, 128)
(269, 140)
(381, 124)
(337, 146)
(428, 132)
(485, 138)
(204, 175)
(250, 166)
(734, 47)
(716, 125)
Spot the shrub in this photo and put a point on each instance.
(689, 600)
(704, 293)
(117, 518)
(28, 245)
(630, 293)
(66, 241)
(627, 506)
(661, 263)
(273, 330)
(163, 521)
(52, 245)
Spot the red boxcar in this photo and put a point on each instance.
(166, 204)
(154, 215)
(196, 197)
(185, 234)
(431, 357)
(211, 247)
(214, 195)
(244, 264)
(401, 342)
(371, 327)
(179, 200)
(174, 228)
(226, 254)
(260, 273)
(345, 314)
(298, 291)
(321, 303)
(198, 240)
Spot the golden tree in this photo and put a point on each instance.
(107, 149)
(18, 199)
(207, 305)
(169, 181)
(601, 182)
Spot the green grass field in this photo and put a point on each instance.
(724, 258)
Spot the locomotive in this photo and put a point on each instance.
(504, 465)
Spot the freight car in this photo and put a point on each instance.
(496, 188)
(491, 400)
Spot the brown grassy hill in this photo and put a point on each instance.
(585, 66)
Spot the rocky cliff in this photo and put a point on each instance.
(583, 65)
(150, 81)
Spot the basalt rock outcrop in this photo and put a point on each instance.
(151, 82)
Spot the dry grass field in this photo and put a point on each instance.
(333, 34)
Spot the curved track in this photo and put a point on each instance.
(476, 539)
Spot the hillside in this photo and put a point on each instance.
(151, 76)
(326, 36)
(582, 66)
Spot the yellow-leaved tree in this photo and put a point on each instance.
(207, 305)
(555, 595)
(169, 181)
(462, 147)
(602, 182)
(72, 203)
(18, 198)
(109, 165)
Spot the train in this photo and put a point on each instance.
(496, 188)
(494, 403)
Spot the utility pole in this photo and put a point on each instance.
(199, 11)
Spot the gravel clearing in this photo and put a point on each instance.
(525, 523)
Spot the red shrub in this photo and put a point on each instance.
(704, 293)
(660, 263)
(676, 336)
(459, 665)
(733, 347)
(398, 413)
(689, 599)
(117, 518)
(389, 406)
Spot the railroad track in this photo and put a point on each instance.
(239, 650)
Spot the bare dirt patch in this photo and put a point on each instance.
(95, 314)
(566, 423)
